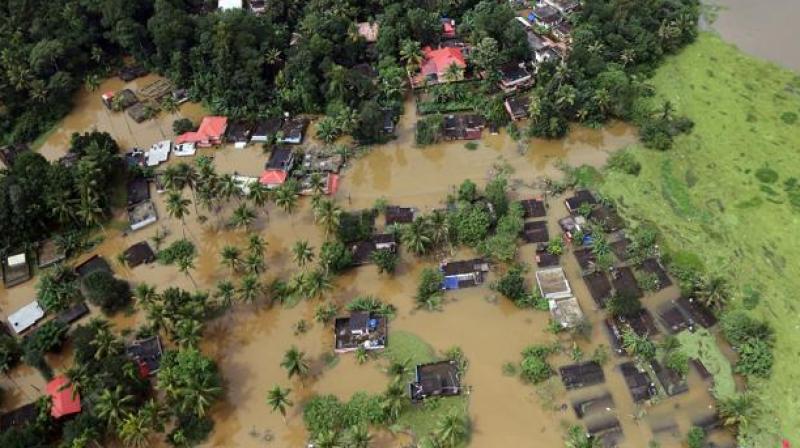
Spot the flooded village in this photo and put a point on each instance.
(570, 328)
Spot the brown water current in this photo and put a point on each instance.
(249, 341)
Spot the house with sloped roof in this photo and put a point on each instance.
(437, 63)
(210, 132)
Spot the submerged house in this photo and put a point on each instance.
(142, 215)
(699, 313)
(584, 374)
(533, 208)
(277, 169)
(362, 250)
(360, 329)
(16, 270)
(639, 384)
(463, 127)
(266, 130)
(593, 405)
(292, 131)
(49, 253)
(26, 317)
(238, 134)
(139, 253)
(138, 190)
(19, 417)
(566, 311)
(581, 198)
(463, 274)
(147, 354)
(564, 6)
(130, 72)
(535, 232)
(517, 107)
(399, 215)
(93, 263)
(436, 379)
(553, 283)
(73, 313)
(209, 133)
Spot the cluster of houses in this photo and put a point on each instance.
(145, 102)
(593, 404)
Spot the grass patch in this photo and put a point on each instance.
(725, 214)
(408, 347)
(703, 346)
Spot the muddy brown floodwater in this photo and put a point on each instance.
(249, 341)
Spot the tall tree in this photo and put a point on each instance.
(278, 400)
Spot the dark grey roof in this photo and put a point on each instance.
(463, 267)
(139, 253)
(435, 379)
(95, 263)
(138, 190)
(280, 158)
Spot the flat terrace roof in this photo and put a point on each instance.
(642, 323)
(553, 283)
(699, 313)
(674, 319)
(94, 263)
(435, 379)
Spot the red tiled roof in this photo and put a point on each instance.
(333, 184)
(211, 128)
(273, 177)
(437, 61)
(66, 400)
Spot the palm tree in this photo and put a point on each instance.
(337, 81)
(188, 178)
(91, 82)
(328, 438)
(178, 207)
(258, 193)
(453, 73)
(451, 430)
(112, 405)
(228, 187)
(226, 292)
(278, 399)
(712, 291)
(231, 257)
(739, 410)
(358, 437)
(145, 294)
(243, 216)
(186, 265)
(135, 431)
(316, 283)
(286, 198)
(416, 236)
(254, 263)
(294, 361)
(171, 178)
(317, 184)
(411, 54)
(439, 228)
(394, 399)
(256, 245)
(272, 56)
(153, 414)
(105, 343)
(188, 332)
(328, 215)
(638, 346)
(250, 288)
(302, 253)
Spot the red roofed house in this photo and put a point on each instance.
(66, 400)
(437, 62)
(273, 178)
(448, 28)
(210, 132)
(280, 163)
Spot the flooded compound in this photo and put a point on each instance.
(249, 340)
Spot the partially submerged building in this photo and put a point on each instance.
(138, 190)
(545, 16)
(266, 130)
(581, 197)
(362, 250)
(699, 313)
(553, 283)
(672, 382)
(535, 232)
(49, 253)
(674, 319)
(92, 264)
(464, 273)
(139, 253)
(146, 353)
(130, 72)
(463, 127)
(625, 282)
(142, 215)
(19, 417)
(399, 215)
(436, 379)
(360, 329)
(599, 287)
(639, 384)
(238, 134)
(575, 376)
(566, 311)
(642, 323)
(614, 332)
(16, 269)
(544, 258)
(279, 165)
(26, 317)
(603, 403)
(606, 429)
(64, 397)
(517, 107)
(435, 68)
(533, 208)
(120, 100)
(210, 132)
(514, 77)
(73, 313)
(293, 131)
(158, 153)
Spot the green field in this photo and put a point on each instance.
(729, 192)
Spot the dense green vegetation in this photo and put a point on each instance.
(719, 199)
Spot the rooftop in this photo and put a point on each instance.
(369, 31)
(16, 270)
(599, 287)
(360, 329)
(584, 374)
(399, 215)
(66, 400)
(639, 384)
(49, 253)
(138, 190)
(566, 311)
(280, 158)
(435, 379)
(581, 197)
(26, 317)
(533, 208)
(699, 313)
(625, 282)
(553, 283)
(73, 313)
(596, 404)
(146, 352)
(535, 232)
(142, 215)
(293, 130)
(139, 253)
(94, 263)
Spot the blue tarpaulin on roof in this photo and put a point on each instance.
(451, 283)
(587, 240)
(532, 17)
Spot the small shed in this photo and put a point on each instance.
(553, 283)
(49, 253)
(575, 376)
(73, 313)
(156, 90)
(16, 270)
(26, 317)
(640, 386)
(435, 379)
(66, 399)
(139, 253)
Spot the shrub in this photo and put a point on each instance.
(190, 431)
(467, 191)
(738, 328)
(334, 256)
(696, 437)
(623, 306)
(371, 304)
(178, 250)
(182, 125)
(107, 292)
(472, 224)
(755, 358)
(385, 260)
(429, 290)
(325, 312)
(624, 162)
(512, 285)
(10, 352)
(429, 130)
(496, 195)
(534, 367)
(555, 246)
(57, 289)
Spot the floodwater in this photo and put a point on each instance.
(248, 342)
(765, 29)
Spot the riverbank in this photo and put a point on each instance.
(726, 193)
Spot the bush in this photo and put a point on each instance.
(738, 328)
(190, 431)
(429, 130)
(512, 285)
(624, 162)
(496, 195)
(385, 260)
(472, 224)
(182, 125)
(57, 289)
(178, 250)
(696, 437)
(10, 352)
(107, 292)
(534, 367)
(755, 358)
(467, 191)
(334, 257)
(429, 290)
(356, 226)
(324, 413)
(371, 304)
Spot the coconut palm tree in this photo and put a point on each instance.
(112, 405)
(451, 430)
(358, 437)
(145, 294)
(712, 291)
(278, 400)
(453, 73)
(328, 438)
(250, 288)
(188, 332)
(134, 431)
(302, 253)
(231, 257)
(178, 208)
(417, 236)
(228, 187)
(256, 245)
(154, 414)
(105, 343)
(186, 265)
(243, 216)
(317, 184)
(439, 228)
(225, 292)
(394, 400)
(171, 178)
(295, 363)
(411, 54)
(254, 263)
(316, 283)
(328, 215)
(738, 410)
(187, 176)
(258, 194)
(286, 198)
